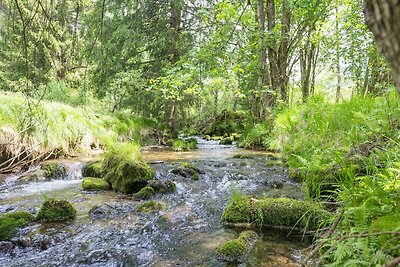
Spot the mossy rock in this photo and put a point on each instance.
(243, 156)
(216, 138)
(95, 184)
(126, 174)
(274, 212)
(52, 169)
(10, 222)
(56, 210)
(150, 206)
(226, 141)
(237, 250)
(93, 169)
(144, 193)
(162, 186)
(187, 169)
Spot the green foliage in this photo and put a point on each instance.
(56, 210)
(256, 136)
(93, 169)
(274, 212)
(180, 144)
(226, 141)
(10, 222)
(225, 123)
(124, 169)
(151, 206)
(50, 169)
(324, 142)
(371, 209)
(144, 193)
(94, 184)
(237, 250)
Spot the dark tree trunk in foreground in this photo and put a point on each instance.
(383, 19)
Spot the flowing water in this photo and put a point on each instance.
(186, 233)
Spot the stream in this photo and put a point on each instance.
(185, 234)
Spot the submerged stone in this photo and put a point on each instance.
(56, 210)
(95, 184)
(93, 169)
(237, 250)
(6, 247)
(187, 169)
(12, 221)
(274, 212)
(243, 156)
(162, 186)
(151, 206)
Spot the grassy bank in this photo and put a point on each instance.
(32, 130)
(348, 154)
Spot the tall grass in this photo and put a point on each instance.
(31, 128)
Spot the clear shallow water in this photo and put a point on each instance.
(185, 234)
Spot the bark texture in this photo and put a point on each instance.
(383, 19)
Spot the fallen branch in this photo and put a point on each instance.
(392, 263)
(327, 234)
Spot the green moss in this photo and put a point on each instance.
(125, 171)
(162, 186)
(226, 141)
(93, 169)
(243, 156)
(188, 169)
(52, 169)
(216, 138)
(94, 184)
(56, 210)
(237, 250)
(274, 212)
(10, 222)
(144, 193)
(151, 206)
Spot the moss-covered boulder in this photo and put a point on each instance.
(150, 206)
(274, 212)
(187, 169)
(125, 171)
(237, 250)
(93, 169)
(10, 222)
(162, 186)
(53, 170)
(226, 141)
(144, 193)
(56, 210)
(95, 184)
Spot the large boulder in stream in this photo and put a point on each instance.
(93, 169)
(12, 221)
(237, 250)
(53, 170)
(56, 210)
(155, 187)
(281, 213)
(125, 171)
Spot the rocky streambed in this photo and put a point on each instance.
(110, 231)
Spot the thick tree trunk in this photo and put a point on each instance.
(175, 22)
(383, 19)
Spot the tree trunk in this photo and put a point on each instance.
(175, 22)
(338, 74)
(382, 18)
